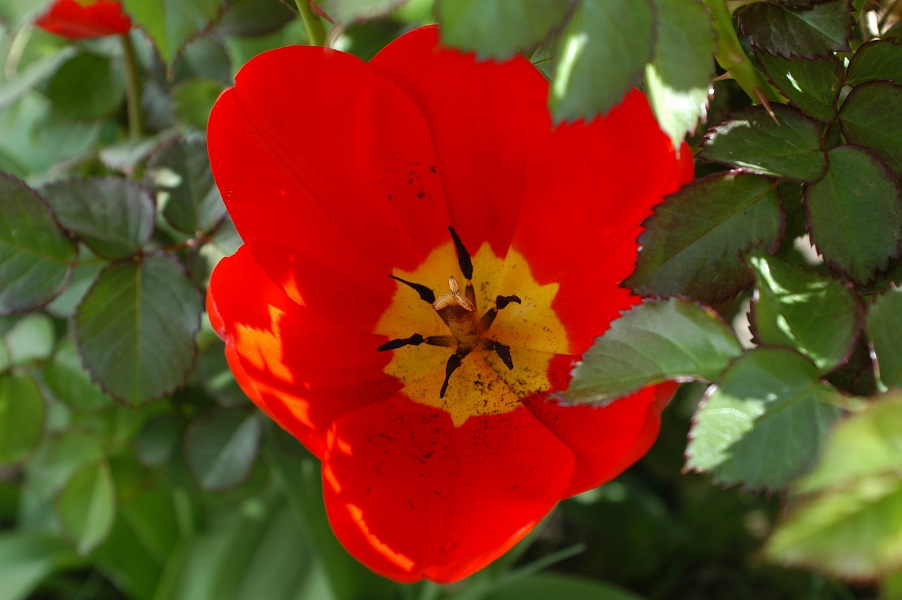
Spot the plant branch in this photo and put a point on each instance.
(132, 88)
(313, 24)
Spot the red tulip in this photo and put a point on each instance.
(77, 19)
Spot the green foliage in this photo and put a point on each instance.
(884, 328)
(86, 87)
(21, 417)
(171, 23)
(86, 507)
(811, 85)
(869, 117)
(805, 29)
(222, 448)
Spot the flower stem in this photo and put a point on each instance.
(313, 24)
(132, 88)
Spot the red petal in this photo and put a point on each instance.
(300, 369)
(412, 496)
(330, 176)
(68, 18)
(487, 120)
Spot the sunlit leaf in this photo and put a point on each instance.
(811, 85)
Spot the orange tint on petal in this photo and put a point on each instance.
(68, 18)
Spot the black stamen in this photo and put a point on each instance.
(453, 363)
(414, 340)
(441, 340)
(502, 301)
(504, 352)
(425, 293)
(463, 257)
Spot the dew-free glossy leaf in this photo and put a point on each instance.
(870, 117)
(113, 216)
(21, 417)
(499, 28)
(171, 23)
(884, 327)
(693, 242)
(135, 328)
(653, 342)
(86, 507)
(811, 85)
(762, 424)
(855, 213)
(878, 60)
(86, 87)
(602, 52)
(820, 30)
(222, 448)
(813, 313)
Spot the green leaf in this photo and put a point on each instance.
(222, 448)
(193, 100)
(854, 213)
(884, 327)
(499, 28)
(135, 328)
(877, 60)
(15, 87)
(157, 440)
(346, 12)
(180, 174)
(171, 23)
(810, 312)
(789, 148)
(654, 341)
(679, 78)
(762, 424)
(31, 338)
(216, 378)
(254, 17)
(113, 216)
(870, 116)
(603, 52)
(21, 417)
(27, 558)
(848, 511)
(693, 241)
(544, 586)
(86, 87)
(34, 252)
(87, 506)
(820, 30)
(811, 85)
(69, 381)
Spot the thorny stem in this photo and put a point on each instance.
(132, 88)
(313, 24)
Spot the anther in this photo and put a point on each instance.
(463, 257)
(453, 363)
(425, 293)
(504, 353)
(414, 340)
(501, 302)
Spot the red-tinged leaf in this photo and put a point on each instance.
(811, 85)
(870, 117)
(878, 60)
(813, 32)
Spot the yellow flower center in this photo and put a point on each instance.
(502, 353)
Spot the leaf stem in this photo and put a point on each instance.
(132, 88)
(313, 24)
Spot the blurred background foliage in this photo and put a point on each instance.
(132, 466)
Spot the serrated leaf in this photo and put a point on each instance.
(21, 417)
(135, 329)
(854, 213)
(181, 176)
(679, 77)
(848, 511)
(813, 313)
(86, 507)
(603, 51)
(653, 342)
(762, 424)
(811, 85)
(789, 148)
(870, 116)
(694, 239)
(884, 327)
(346, 12)
(222, 448)
(86, 87)
(113, 216)
(69, 381)
(499, 28)
(812, 32)
(170, 24)
(875, 61)
(35, 253)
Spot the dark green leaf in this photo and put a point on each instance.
(811, 85)
(884, 327)
(789, 148)
(69, 381)
(32, 337)
(854, 213)
(603, 51)
(499, 28)
(21, 417)
(222, 448)
(15, 87)
(113, 216)
(34, 252)
(158, 439)
(171, 23)
(254, 17)
(679, 77)
(87, 507)
(135, 328)
(86, 87)
(216, 378)
(820, 30)
(870, 116)
(181, 176)
(82, 276)
(693, 242)
(762, 424)
(813, 313)
(654, 341)
(193, 100)
(874, 61)
(27, 558)
(544, 586)
(849, 509)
